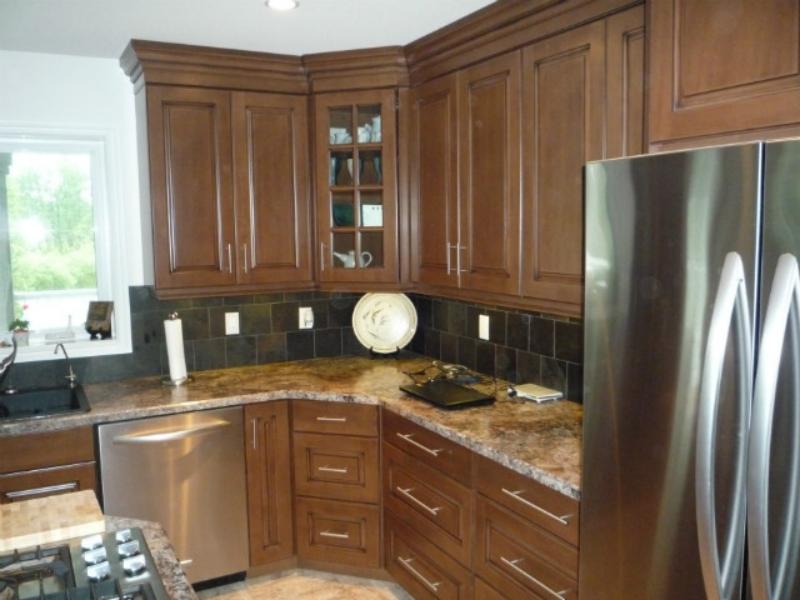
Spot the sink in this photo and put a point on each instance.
(36, 403)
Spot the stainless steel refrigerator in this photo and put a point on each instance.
(691, 444)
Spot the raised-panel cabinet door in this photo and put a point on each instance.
(562, 106)
(625, 112)
(269, 483)
(191, 187)
(434, 177)
(488, 249)
(356, 156)
(718, 67)
(270, 145)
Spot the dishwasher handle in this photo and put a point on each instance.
(151, 437)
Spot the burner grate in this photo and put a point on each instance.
(35, 573)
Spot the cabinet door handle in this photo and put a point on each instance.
(433, 510)
(254, 434)
(459, 248)
(517, 495)
(513, 564)
(333, 470)
(244, 252)
(408, 437)
(332, 419)
(322, 256)
(41, 491)
(230, 259)
(431, 585)
(448, 246)
(334, 535)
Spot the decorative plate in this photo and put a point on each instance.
(384, 322)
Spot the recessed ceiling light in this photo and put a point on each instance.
(282, 4)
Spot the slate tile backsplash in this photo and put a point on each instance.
(268, 333)
(522, 346)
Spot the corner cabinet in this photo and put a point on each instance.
(228, 188)
(356, 187)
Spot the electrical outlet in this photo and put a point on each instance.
(483, 327)
(305, 317)
(231, 323)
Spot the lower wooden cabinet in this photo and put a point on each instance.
(45, 464)
(483, 591)
(269, 481)
(343, 533)
(27, 485)
(420, 567)
(520, 559)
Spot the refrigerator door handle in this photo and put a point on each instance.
(783, 309)
(721, 573)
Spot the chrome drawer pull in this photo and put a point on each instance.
(333, 534)
(524, 573)
(333, 470)
(516, 494)
(408, 437)
(407, 493)
(332, 419)
(431, 585)
(47, 489)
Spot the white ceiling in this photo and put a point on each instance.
(103, 27)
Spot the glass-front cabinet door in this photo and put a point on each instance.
(356, 186)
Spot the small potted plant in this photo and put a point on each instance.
(19, 327)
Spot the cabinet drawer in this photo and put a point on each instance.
(483, 591)
(41, 450)
(432, 449)
(338, 532)
(26, 485)
(420, 567)
(335, 417)
(519, 559)
(336, 466)
(547, 508)
(432, 503)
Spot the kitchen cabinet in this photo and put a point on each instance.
(563, 102)
(356, 187)
(336, 478)
(269, 481)
(487, 251)
(228, 189)
(434, 182)
(37, 465)
(720, 68)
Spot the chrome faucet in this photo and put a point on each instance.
(70, 376)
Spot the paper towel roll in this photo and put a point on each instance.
(173, 332)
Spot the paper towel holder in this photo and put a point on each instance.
(165, 379)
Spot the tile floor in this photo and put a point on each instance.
(302, 584)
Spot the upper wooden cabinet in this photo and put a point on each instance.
(270, 144)
(228, 188)
(563, 89)
(487, 253)
(191, 191)
(718, 67)
(434, 182)
(356, 187)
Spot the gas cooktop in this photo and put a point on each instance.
(112, 566)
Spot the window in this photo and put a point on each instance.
(57, 250)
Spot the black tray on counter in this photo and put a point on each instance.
(448, 395)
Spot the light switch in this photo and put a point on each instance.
(231, 323)
(483, 327)
(305, 317)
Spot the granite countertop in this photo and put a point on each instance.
(540, 441)
(172, 576)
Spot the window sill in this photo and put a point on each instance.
(79, 349)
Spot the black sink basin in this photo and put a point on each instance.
(42, 402)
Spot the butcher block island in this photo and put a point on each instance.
(346, 473)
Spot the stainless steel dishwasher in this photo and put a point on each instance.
(187, 472)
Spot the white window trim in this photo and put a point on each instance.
(110, 243)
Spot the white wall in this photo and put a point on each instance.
(69, 92)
